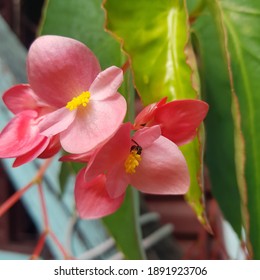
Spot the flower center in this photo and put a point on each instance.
(82, 99)
(133, 159)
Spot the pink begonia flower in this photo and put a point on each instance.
(178, 119)
(20, 138)
(149, 162)
(68, 100)
(86, 108)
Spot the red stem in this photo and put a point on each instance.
(17, 195)
(13, 199)
(59, 245)
(43, 206)
(39, 246)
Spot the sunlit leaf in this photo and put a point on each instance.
(155, 35)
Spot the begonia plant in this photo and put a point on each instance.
(115, 93)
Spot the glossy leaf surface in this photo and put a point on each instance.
(148, 31)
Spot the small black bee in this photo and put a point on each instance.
(136, 147)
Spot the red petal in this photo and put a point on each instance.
(180, 119)
(20, 98)
(32, 154)
(20, 135)
(147, 135)
(83, 158)
(117, 180)
(146, 116)
(52, 148)
(92, 199)
(110, 154)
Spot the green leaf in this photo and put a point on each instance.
(127, 236)
(68, 169)
(239, 28)
(65, 171)
(84, 20)
(148, 31)
(155, 35)
(220, 148)
(195, 195)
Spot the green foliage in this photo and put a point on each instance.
(68, 169)
(148, 31)
(84, 21)
(220, 153)
(120, 226)
(158, 50)
(230, 40)
(65, 171)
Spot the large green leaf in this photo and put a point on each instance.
(220, 147)
(84, 20)
(155, 35)
(239, 29)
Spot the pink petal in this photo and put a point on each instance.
(162, 170)
(83, 158)
(147, 135)
(106, 83)
(117, 180)
(180, 119)
(32, 154)
(20, 98)
(52, 148)
(92, 199)
(60, 68)
(94, 124)
(20, 135)
(146, 116)
(57, 121)
(111, 154)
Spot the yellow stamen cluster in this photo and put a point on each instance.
(132, 161)
(82, 99)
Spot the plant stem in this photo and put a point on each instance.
(43, 206)
(59, 245)
(17, 195)
(39, 246)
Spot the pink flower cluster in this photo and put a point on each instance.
(70, 103)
